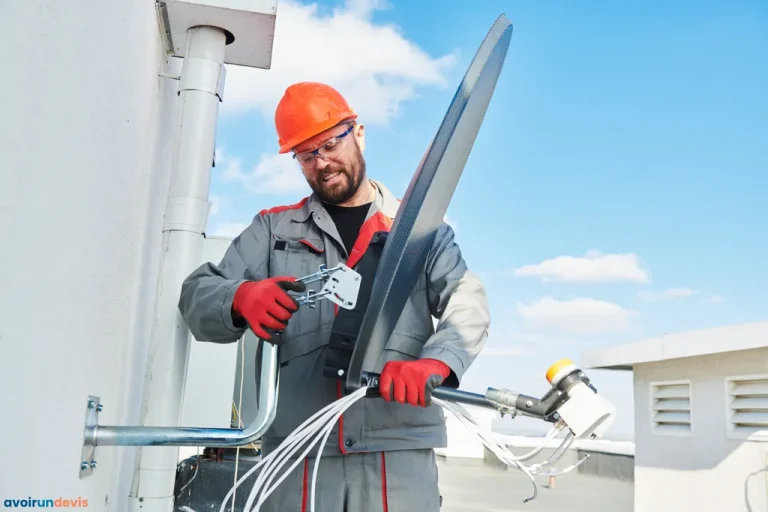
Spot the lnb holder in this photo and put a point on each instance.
(341, 286)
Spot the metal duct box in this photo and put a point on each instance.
(251, 24)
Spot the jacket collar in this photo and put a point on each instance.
(384, 202)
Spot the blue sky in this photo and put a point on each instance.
(615, 191)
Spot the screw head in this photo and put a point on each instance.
(341, 372)
(91, 404)
(100, 408)
(529, 403)
(93, 464)
(83, 465)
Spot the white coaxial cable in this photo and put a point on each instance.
(299, 433)
(290, 445)
(319, 426)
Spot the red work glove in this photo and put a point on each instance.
(265, 305)
(412, 381)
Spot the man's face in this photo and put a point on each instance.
(338, 171)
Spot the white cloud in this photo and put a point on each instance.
(677, 293)
(668, 294)
(364, 8)
(578, 316)
(592, 267)
(228, 229)
(375, 66)
(274, 174)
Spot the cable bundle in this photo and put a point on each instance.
(321, 422)
(507, 457)
(319, 426)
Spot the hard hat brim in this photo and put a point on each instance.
(309, 132)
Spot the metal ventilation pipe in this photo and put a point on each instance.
(200, 90)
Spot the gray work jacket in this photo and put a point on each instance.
(294, 241)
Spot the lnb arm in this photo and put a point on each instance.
(572, 399)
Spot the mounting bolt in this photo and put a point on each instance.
(91, 404)
(83, 465)
(100, 408)
(529, 403)
(341, 372)
(93, 464)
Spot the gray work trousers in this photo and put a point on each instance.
(396, 481)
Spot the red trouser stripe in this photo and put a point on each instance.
(305, 487)
(341, 421)
(383, 483)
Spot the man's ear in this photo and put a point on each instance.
(359, 132)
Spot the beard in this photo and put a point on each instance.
(345, 185)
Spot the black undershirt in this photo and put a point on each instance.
(348, 220)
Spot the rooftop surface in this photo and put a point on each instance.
(677, 345)
(467, 487)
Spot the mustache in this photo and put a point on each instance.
(326, 172)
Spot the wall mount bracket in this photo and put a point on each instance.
(88, 453)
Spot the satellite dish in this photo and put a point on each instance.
(426, 200)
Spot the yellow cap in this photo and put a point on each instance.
(559, 365)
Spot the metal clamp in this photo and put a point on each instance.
(341, 286)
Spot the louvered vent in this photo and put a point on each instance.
(671, 407)
(748, 407)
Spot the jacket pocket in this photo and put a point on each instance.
(296, 256)
(309, 327)
(296, 345)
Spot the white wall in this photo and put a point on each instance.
(705, 471)
(85, 140)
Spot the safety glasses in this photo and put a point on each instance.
(332, 147)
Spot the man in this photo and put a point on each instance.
(382, 457)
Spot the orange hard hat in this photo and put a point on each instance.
(306, 109)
